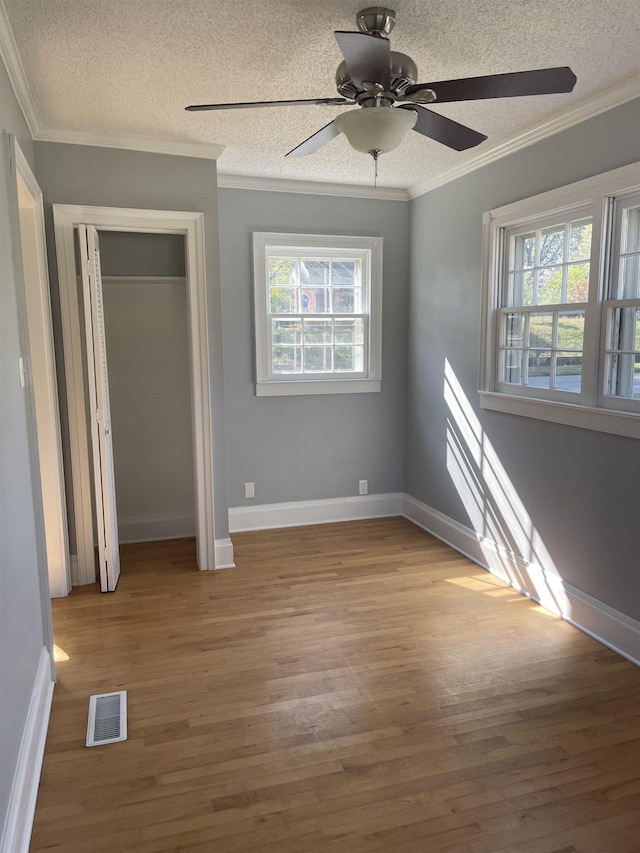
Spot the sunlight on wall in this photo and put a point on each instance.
(510, 544)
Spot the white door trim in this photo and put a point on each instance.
(36, 276)
(66, 218)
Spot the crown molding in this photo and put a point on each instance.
(10, 55)
(202, 150)
(600, 103)
(280, 185)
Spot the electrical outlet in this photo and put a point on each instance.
(363, 487)
(249, 490)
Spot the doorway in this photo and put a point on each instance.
(67, 219)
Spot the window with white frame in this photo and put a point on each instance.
(561, 305)
(318, 313)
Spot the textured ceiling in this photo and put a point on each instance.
(131, 66)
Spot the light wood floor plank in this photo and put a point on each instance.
(348, 688)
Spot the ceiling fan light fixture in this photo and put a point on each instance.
(378, 129)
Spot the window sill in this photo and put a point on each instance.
(284, 388)
(601, 420)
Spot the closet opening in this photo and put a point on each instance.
(147, 347)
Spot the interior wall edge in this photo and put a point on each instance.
(24, 790)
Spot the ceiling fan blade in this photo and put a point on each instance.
(546, 81)
(368, 58)
(443, 129)
(251, 104)
(313, 143)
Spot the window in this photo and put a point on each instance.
(317, 313)
(561, 305)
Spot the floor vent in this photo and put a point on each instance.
(107, 718)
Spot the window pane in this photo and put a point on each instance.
(315, 300)
(318, 359)
(539, 369)
(540, 330)
(524, 252)
(580, 240)
(349, 359)
(571, 330)
(578, 282)
(346, 300)
(513, 330)
(569, 371)
(349, 331)
(314, 272)
(630, 277)
(344, 272)
(549, 286)
(318, 332)
(284, 271)
(283, 300)
(512, 367)
(625, 375)
(286, 332)
(552, 246)
(286, 359)
(631, 230)
(522, 288)
(625, 329)
(623, 361)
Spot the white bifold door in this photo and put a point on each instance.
(98, 380)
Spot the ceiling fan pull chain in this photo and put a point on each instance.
(375, 153)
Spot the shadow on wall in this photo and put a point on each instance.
(511, 545)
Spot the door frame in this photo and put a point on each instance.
(43, 366)
(66, 218)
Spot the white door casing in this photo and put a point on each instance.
(99, 409)
(43, 370)
(67, 218)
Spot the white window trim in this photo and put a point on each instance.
(266, 385)
(590, 414)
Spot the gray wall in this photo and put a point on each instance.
(24, 615)
(135, 253)
(77, 174)
(147, 343)
(580, 488)
(310, 447)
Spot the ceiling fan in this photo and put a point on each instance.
(382, 83)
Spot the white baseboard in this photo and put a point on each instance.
(26, 778)
(224, 554)
(610, 627)
(154, 528)
(298, 513)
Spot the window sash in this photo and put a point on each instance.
(559, 353)
(302, 375)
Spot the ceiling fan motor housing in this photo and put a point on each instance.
(404, 73)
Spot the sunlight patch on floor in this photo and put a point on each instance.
(491, 587)
(59, 654)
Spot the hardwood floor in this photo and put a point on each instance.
(346, 688)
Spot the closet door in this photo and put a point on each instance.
(98, 380)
